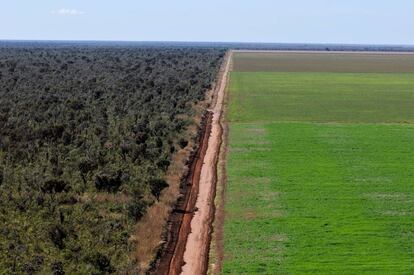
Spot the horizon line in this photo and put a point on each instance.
(206, 42)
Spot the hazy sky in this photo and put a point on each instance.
(311, 21)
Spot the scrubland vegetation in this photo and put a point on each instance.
(86, 137)
(319, 169)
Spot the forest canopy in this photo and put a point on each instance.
(86, 136)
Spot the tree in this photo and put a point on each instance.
(108, 182)
(136, 208)
(85, 167)
(157, 185)
(101, 262)
(54, 186)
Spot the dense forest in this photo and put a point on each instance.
(86, 136)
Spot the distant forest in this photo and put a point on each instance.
(217, 45)
(86, 136)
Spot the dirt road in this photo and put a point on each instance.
(198, 242)
(189, 236)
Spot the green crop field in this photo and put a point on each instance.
(320, 173)
(323, 62)
(322, 97)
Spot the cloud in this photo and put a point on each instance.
(73, 12)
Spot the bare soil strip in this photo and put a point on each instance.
(198, 242)
(190, 224)
(171, 259)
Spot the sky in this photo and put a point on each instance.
(292, 21)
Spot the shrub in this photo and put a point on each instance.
(57, 268)
(101, 262)
(57, 234)
(183, 143)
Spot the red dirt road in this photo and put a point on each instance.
(179, 227)
(198, 242)
(190, 224)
